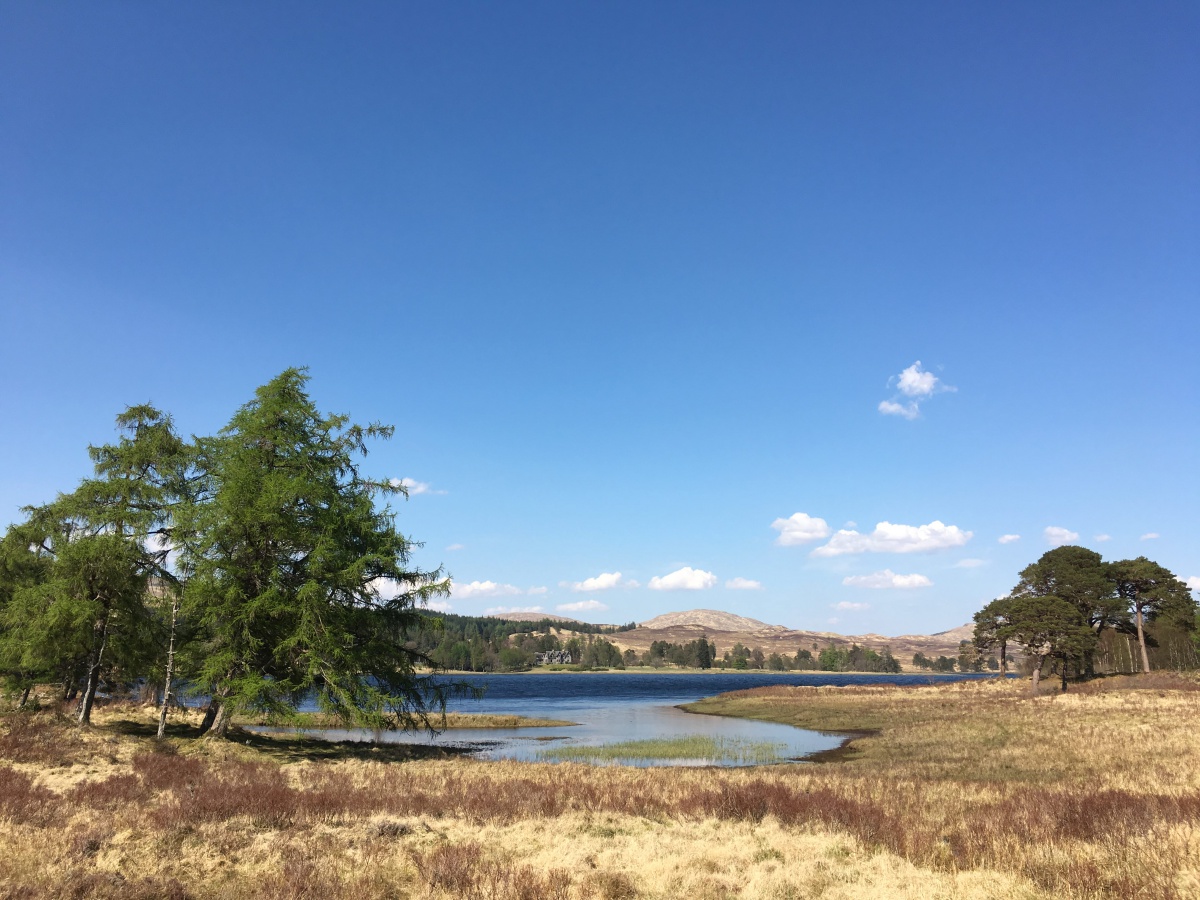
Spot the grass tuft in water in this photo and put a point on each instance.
(702, 748)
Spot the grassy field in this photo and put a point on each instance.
(971, 790)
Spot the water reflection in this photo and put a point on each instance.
(616, 707)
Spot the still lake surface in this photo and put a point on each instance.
(611, 707)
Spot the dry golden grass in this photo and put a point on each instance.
(967, 791)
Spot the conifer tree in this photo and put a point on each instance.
(1147, 588)
(300, 584)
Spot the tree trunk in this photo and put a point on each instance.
(1142, 640)
(93, 679)
(210, 715)
(220, 727)
(1064, 674)
(1004, 659)
(166, 700)
(25, 696)
(1037, 673)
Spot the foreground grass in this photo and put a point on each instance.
(702, 748)
(970, 790)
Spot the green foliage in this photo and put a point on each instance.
(1109, 601)
(300, 582)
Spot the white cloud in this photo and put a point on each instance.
(889, 538)
(439, 606)
(910, 411)
(1194, 583)
(603, 582)
(851, 607)
(581, 606)
(917, 385)
(885, 580)
(1056, 536)
(502, 610)
(1101, 538)
(800, 528)
(1009, 538)
(483, 589)
(412, 487)
(1149, 536)
(743, 584)
(537, 590)
(970, 563)
(916, 382)
(453, 547)
(685, 579)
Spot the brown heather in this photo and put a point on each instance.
(973, 790)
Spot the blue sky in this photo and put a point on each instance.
(633, 280)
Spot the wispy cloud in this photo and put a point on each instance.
(970, 563)
(581, 606)
(1057, 536)
(412, 487)
(1008, 538)
(454, 547)
(1101, 538)
(890, 538)
(851, 607)
(800, 528)
(1149, 536)
(483, 589)
(886, 580)
(1194, 583)
(685, 579)
(743, 584)
(914, 386)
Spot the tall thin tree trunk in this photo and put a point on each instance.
(166, 700)
(25, 696)
(93, 680)
(1004, 659)
(1142, 641)
(1037, 673)
(1064, 673)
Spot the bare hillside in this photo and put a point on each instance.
(726, 629)
(709, 618)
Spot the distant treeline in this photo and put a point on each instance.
(474, 644)
(485, 644)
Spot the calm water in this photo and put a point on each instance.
(612, 707)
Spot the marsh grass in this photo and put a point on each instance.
(966, 792)
(701, 749)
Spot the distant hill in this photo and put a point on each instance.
(726, 629)
(709, 618)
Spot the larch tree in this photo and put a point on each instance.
(300, 584)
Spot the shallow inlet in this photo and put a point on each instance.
(619, 708)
